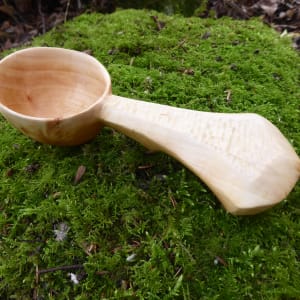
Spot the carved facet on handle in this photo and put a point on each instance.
(243, 158)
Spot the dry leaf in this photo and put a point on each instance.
(7, 10)
(90, 249)
(32, 168)
(80, 172)
(144, 167)
(219, 260)
(206, 35)
(10, 172)
(88, 51)
(56, 195)
(269, 7)
(189, 71)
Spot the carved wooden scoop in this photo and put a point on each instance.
(63, 97)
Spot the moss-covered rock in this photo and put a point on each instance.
(130, 202)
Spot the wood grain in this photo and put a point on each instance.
(63, 97)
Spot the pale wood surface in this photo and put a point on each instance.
(63, 97)
(243, 158)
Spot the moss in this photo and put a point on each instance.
(129, 202)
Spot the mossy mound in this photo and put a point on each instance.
(139, 225)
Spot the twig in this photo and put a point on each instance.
(159, 24)
(131, 61)
(60, 268)
(101, 273)
(228, 96)
(178, 272)
(181, 45)
(39, 272)
(42, 16)
(31, 241)
(173, 201)
(67, 10)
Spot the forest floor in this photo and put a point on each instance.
(22, 20)
(109, 220)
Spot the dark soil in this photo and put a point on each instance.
(21, 20)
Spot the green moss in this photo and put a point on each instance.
(160, 212)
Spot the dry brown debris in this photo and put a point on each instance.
(21, 20)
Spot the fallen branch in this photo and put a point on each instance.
(60, 268)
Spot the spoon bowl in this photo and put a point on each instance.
(63, 97)
(53, 95)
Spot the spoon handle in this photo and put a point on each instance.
(243, 158)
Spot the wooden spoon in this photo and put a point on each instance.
(63, 97)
